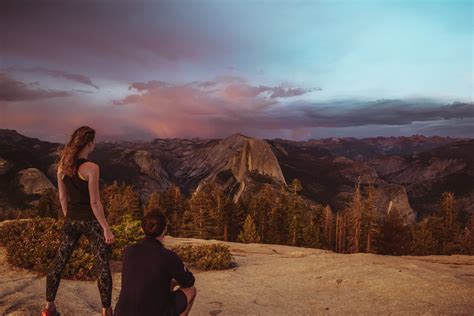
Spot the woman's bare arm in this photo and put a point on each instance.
(96, 204)
(62, 192)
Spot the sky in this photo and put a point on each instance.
(269, 69)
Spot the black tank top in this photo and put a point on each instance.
(79, 207)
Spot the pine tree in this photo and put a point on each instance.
(153, 202)
(110, 196)
(172, 201)
(466, 239)
(295, 186)
(275, 212)
(394, 235)
(435, 224)
(131, 199)
(204, 213)
(109, 192)
(295, 211)
(341, 228)
(277, 222)
(121, 199)
(370, 221)
(311, 234)
(451, 229)
(113, 202)
(355, 220)
(237, 214)
(229, 215)
(224, 207)
(448, 209)
(260, 207)
(327, 224)
(422, 240)
(249, 232)
(187, 222)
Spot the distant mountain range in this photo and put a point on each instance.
(409, 173)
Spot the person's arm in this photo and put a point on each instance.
(180, 272)
(96, 205)
(62, 192)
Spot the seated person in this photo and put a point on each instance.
(150, 272)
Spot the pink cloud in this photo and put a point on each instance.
(212, 109)
(237, 92)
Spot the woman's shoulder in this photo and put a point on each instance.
(89, 168)
(90, 164)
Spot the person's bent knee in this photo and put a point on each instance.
(189, 291)
(194, 291)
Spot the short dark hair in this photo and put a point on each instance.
(154, 223)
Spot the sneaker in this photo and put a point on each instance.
(48, 312)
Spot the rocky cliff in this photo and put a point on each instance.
(425, 176)
(331, 179)
(232, 162)
(328, 168)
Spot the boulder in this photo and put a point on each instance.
(33, 181)
(390, 196)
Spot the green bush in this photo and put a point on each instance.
(205, 257)
(33, 244)
(127, 232)
(11, 229)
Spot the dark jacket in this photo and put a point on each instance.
(147, 270)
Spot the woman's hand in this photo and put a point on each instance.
(109, 237)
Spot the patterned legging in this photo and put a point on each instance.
(72, 231)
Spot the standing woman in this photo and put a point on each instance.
(78, 184)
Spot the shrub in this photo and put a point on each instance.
(12, 214)
(11, 229)
(205, 257)
(33, 244)
(127, 232)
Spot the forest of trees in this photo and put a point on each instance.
(282, 216)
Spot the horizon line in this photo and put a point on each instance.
(117, 139)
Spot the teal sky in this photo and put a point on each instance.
(368, 49)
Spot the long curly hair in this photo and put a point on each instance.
(68, 154)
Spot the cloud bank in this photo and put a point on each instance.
(13, 90)
(57, 74)
(225, 105)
